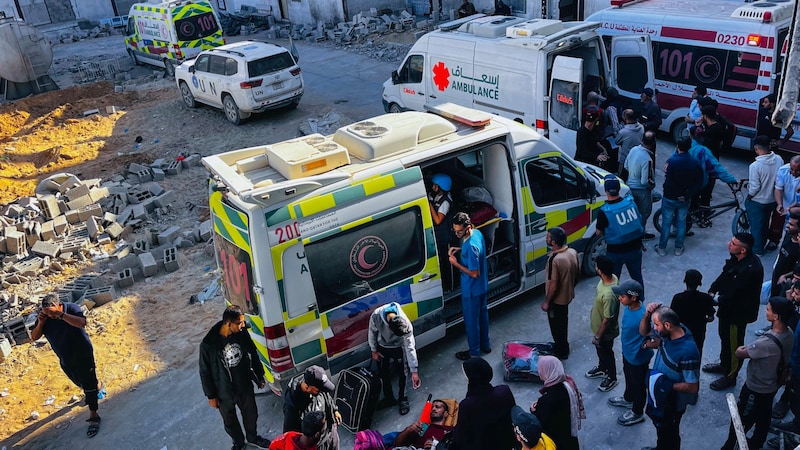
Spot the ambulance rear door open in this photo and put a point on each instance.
(340, 255)
(564, 115)
(632, 65)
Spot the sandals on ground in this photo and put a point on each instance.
(404, 407)
(94, 426)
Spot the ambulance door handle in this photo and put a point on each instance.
(432, 96)
(555, 130)
(427, 277)
(312, 306)
(421, 93)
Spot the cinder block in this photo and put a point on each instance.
(115, 230)
(80, 202)
(93, 210)
(15, 242)
(155, 189)
(60, 225)
(191, 161)
(148, 264)
(68, 183)
(133, 168)
(99, 193)
(77, 192)
(170, 259)
(49, 206)
(206, 230)
(72, 216)
(168, 235)
(33, 232)
(102, 295)
(174, 168)
(45, 248)
(144, 176)
(140, 246)
(125, 279)
(158, 164)
(139, 212)
(48, 231)
(165, 199)
(93, 227)
(128, 262)
(158, 174)
(138, 195)
(109, 218)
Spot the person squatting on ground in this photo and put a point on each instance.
(421, 435)
(760, 200)
(695, 308)
(619, 221)
(313, 424)
(312, 392)
(64, 326)
(229, 365)
(560, 407)
(635, 356)
(484, 416)
(675, 378)
(528, 431)
(474, 285)
(604, 322)
(391, 339)
(769, 352)
(683, 178)
(739, 289)
(562, 270)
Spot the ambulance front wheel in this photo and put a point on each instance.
(394, 108)
(134, 58)
(679, 130)
(595, 248)
(186, 95)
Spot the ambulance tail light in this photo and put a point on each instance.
(754, 40)
(280, 358)
(541, 126)
(250, 84)
(178, 52)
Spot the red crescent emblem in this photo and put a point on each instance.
(362, 260)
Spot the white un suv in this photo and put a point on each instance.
(241, 78)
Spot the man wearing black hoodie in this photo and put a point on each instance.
(229, 365)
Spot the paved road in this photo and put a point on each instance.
(170, 411)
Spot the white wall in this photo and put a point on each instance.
(235, 5)
(93, 9)
(314, 11)
(7, 6)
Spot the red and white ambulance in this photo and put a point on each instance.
(734, 49)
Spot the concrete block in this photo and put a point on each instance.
(115, 230)
(60, 225)
(72, 216)
(191, 161)
(62, 206)
(77, 192)
(94, 227)
(3, 247)
(167, 236)
(33, 232)
(28, 267)
(15, 242)
(49, 206)
(160, 163)
(128, 262)
(148, 264)
(80, 202)
(138, 195)
(72, 244)
(139, 212)
(174, 168)
(165, 199)
(151, 236)
(46, 248)
(68, 183)
(102, 295)
(112, 109)
(155, 189)
(109, 218)
(125, 279)
(171, 259)
(93, 210)
(149, 205)
(99, 193)
(48, 231)
(103, 238)
(90, 112)
(206, 230)
(133, 168)
(141, 246)
(158, 174)
(144, 176)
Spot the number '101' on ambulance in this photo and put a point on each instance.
(313, 234)
(735, 49)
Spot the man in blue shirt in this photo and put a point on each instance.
(474, 285)
(63, 324)
(678, 360)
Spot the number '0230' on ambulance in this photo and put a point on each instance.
(314, 233)
(534, 71)
(735, 49)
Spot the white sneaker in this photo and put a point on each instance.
(630, 418)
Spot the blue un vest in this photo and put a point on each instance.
(624, 223)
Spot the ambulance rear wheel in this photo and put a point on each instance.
(595, 248)
(394, 108)
(169, 69)
(134, 58)
(186, 95)
(679, 129)
(232, 112)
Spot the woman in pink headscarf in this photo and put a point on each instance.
(560, 408)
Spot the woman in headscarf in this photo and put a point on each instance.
(484, 416)
(560, 408)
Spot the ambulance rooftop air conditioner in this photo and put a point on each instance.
(490, 26)
(765, 11)
(535, 27)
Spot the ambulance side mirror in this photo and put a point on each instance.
(590, 189)
(395, 77)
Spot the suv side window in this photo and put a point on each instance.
(231, 66)
(202, 63)
(553, 180)
(412, 69)
(217, 65)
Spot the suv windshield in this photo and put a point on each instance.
(269, 64)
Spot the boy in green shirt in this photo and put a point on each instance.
(605, 325)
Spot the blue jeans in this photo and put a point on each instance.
(669, 210)
(632, 260)
(476, 322)
(759, 215)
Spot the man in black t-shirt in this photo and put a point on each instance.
(788, 255)
(695, 308)
(587, 145)
(63, 324)
(229, 365)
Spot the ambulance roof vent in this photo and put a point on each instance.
(765, 11)
(535, 27)
(391, 133)
(490, 26)
(307, 156)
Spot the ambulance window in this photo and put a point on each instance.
(564, 101)
(202, 63)
(231, 66)
(412, 69)
(131, 26)
(217, 65)
(631, 73)
(367, 258)
(553, 180)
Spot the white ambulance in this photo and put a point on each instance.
(534, 71)
(732, 48)
(166, 34)
(314, 233)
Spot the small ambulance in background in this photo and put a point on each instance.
(735, 49)
(314, 233)
(534, 71)
(166, 34)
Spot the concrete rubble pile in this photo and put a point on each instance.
(70, 220)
